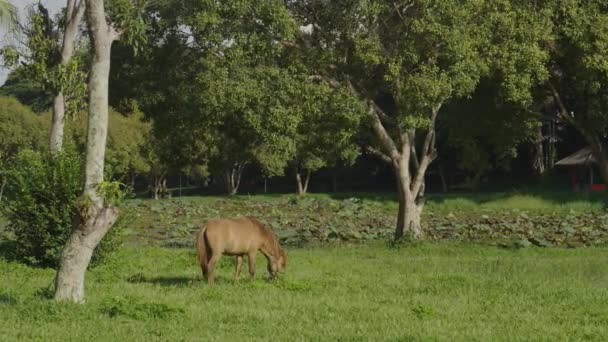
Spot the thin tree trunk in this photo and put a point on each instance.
(232, 178)
(95, 216)
(2, 188)
(300, 183)
(538, 162)
(444, 183)
(265, 184)
(306, 182)
(74, 13)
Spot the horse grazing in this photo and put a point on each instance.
(238, 237)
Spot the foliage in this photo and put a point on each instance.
(20, 129)
(42, 192)
(222, 98)
(28, 92)
(453, 292)
(41, 59)
(327, 133)
(578, 63)
(127, 139)
(482, 134)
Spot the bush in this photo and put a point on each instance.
(41, 205)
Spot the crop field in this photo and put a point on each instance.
(513, 267)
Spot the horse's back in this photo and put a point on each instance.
(233, 236)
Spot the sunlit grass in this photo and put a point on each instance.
(368, 292)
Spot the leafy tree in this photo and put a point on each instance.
(327, 132)
(49, 51)
(578, 70)
(221, 99)
(407, 60)
(482, 133)
(127, 136)
(421, 54)
(41, 202)
(28, 92)
(20, 128)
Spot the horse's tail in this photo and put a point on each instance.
(201, 250)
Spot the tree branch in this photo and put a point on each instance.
(332, 82)
(383, 116)
(429, 153)
(563, 111)
(386, 141)
(378, 154)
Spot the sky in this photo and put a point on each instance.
(52, 5)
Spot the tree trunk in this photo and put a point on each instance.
(74, 13)
(302, 183)
(79, 248)
(538, 162)
(410, 210)
(58, 123)
(2, 188)
(444, 183)
(95, 217)
(232, 178)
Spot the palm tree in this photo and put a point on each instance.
(7, 13)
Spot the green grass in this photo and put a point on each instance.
(443, 292)
(346, 283)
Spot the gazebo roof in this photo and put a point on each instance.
(580, 157)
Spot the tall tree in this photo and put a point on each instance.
(418, 55)
(578, 71)
(73, 15)
(48, 60)
(211, 82)
(406, 60)
(96, 215)
(331, 120)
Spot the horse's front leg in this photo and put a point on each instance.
(239, 264)
(251, 260)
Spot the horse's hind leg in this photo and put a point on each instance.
(215, 257)
(251, 260)
(239, 264)
(204, 269)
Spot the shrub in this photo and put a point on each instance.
(42, 191)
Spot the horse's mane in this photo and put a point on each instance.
(269, 234)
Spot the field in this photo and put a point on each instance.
(480, 277)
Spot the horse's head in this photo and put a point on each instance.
(278, 264)
(282, 260)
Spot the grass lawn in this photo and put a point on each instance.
(343, 280)
(436, 291)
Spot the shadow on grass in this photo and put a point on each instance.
(7, 299)
(181, 281)
(162, 281)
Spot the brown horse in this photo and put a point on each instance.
(238, 237)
